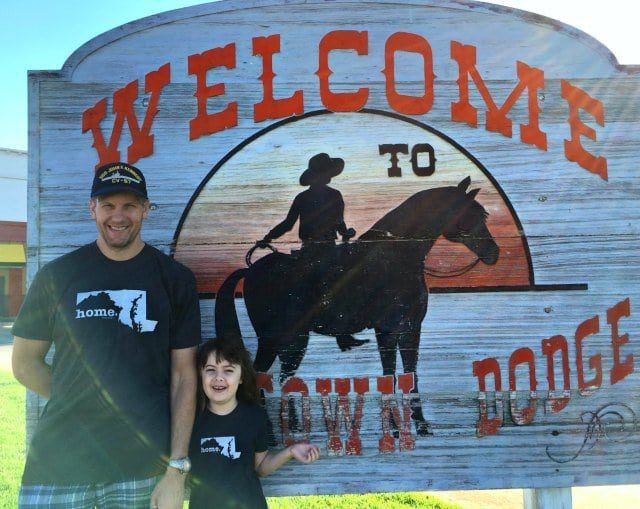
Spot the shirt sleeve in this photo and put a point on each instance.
(35, 318)
(186, 313)
(262, 438)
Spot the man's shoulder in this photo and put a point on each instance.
(70, 260)
(172, 266)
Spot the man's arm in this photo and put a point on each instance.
(184, 381)
(29, 366)
(169, 493)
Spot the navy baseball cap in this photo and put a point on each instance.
(117, 177)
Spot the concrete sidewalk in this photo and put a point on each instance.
(592, 497)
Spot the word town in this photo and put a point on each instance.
(391, 415)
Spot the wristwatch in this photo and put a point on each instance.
(181, 464)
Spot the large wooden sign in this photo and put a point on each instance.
(478, 329)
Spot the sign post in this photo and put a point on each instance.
(547, 498)
(420, 217)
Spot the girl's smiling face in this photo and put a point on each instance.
(220, 382)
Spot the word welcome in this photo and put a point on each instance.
(555, 347)
(205, 123)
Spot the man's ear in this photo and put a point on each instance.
(147, 208)
(92, 207)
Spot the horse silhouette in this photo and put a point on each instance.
(376, 282)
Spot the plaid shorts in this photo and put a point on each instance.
(135, 494)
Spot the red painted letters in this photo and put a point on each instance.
(291, 386)
(402, 103)
(341, 40)
(488, 425)
(123, 100)
(391, 417)
(556, 400)
(343, 413)
(205, 123)
(390, 411)
(529, 77)
(270, 108)
(579, 100)
(526, 414)
(586, 328)
(619, 369)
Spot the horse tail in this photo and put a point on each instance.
(226, 318)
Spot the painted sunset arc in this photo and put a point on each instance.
(250, 191)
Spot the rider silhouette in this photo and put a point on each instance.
(321, 212)
(320, 208)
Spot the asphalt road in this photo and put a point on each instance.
(6, 342)
(5, 333)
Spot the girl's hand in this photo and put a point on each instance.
(304, 453)
(268, 462)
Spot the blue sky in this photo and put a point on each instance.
(40, 35)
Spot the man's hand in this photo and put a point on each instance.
(29, 365)
(264, 243)
(169, 492)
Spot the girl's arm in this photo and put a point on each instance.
(268, 462)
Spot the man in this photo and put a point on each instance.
(125, 322)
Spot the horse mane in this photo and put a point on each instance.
(481, 210)
(419, 216)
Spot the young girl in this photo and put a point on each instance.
(229, 440)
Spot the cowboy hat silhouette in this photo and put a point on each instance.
(321, 169)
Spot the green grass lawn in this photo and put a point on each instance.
(12, 437)
(373, 501)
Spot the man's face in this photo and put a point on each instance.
(119, 219)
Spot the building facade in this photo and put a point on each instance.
(13, 229)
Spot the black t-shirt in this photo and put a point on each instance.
(113, 324)
(222, 453)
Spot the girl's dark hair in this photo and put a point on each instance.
(233, 352)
